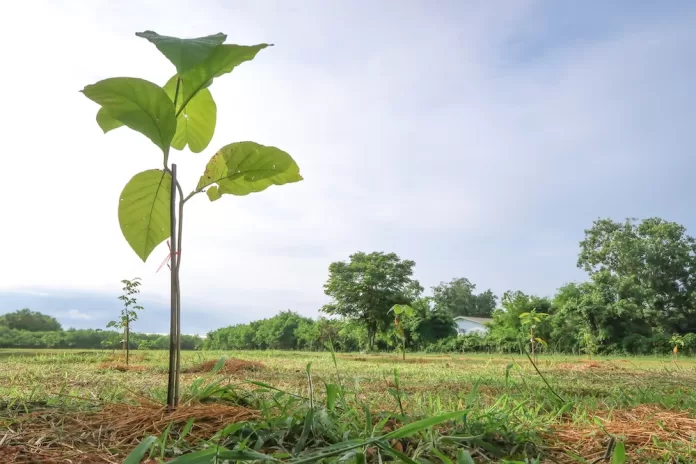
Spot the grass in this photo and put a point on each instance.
(69, 406)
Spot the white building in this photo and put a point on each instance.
(466, 324)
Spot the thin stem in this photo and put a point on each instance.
(190, 195)
(178, 291)
(172, 399)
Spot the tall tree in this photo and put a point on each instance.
(32, 321)
(457, 296)
(365, 288)
(651, 266)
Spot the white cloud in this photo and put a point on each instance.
(75, 314)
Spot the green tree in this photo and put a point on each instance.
(32, 321)
(366, 287)
(649, 265)
(128, 313)
(457, 296)
(430, 325)
(506, 332)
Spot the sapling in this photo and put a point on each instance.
(530, 321)
(402, 313)
(128, 313)
(179, 114)
(676, 341)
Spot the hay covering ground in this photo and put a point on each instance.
(89, 437)
(231, 366)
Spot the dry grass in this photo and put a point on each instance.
(121, 367)
(231, 366)
(90, 437)
(648, 428)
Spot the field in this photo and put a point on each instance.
(85, 407)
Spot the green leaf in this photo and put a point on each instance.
(106, 122)
(195, 125)
(222, 61)
(137, 103)
(184, 53)
(464, 457)
(143, 211)
(204, 456)
(245, 167)
(397, 309)
(414, 427)
(619, 455)
(244, 455)
(140, 451)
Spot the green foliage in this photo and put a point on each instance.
(180, 114)
(365, 288)
(223, 60)
(195, 124)
(458, 297)
(184, 53)
(31, 321)
(648, 265)
(90, 339)
(143, 211)
(137, 103)
(245, 167)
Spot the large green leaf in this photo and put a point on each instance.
(139, 104)
(222, 61)
(245, 167)
(195, 125)
(143, 211)
(184, 53)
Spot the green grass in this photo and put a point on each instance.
(346, 409)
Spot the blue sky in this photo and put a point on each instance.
(477, 138)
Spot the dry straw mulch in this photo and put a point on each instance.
(638, 428)
(231, 366)
(49, 437)
(121, 367)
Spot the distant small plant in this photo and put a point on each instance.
(589, 344)
(401, 314)
(676, 341)
(530, 321)
(128, 313)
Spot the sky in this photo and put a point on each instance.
(477, 138)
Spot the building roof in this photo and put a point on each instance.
(477, 320)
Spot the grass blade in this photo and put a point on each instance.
(140, 451)
(422, 424)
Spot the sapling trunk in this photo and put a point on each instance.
(177, 375)
(172, 399)
(127, 341)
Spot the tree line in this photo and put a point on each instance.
(639, 298)
(31, 329)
